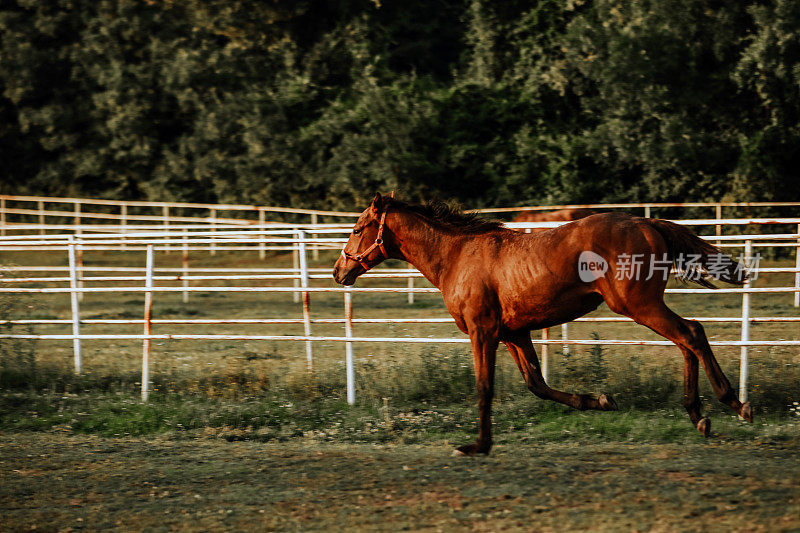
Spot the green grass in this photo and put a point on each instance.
(332, 420)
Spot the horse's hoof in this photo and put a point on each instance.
(704, 426)
(607, 403)
(746, 412)
(470, 449)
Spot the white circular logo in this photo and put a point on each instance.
(591, 266)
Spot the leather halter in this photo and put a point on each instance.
(361, 258)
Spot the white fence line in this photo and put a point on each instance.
(164, 216)
(251, 321)
(299, 244)
(431, 290)
(412, 340)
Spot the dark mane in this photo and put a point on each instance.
(448, 215)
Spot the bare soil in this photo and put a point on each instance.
(55, 482)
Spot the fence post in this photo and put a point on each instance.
(301, 236)
(2, 216)
(213, 228)
(545, 353)
(348, 348)
(743, 363)
(40, 206)
(185, 261)
(262, 251)
(76, 313)
(165, 217)
(79, 269)
(718, 213)
(647, 211)
(564, 337)
(314, 247)
(79, 249)
(410, 294)
(148, 316)
(123, 222)
(797, 271)
(296, 268)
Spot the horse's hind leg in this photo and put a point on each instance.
(690, 337)
(691, 393)
(523, 353)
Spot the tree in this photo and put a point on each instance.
(768, 69)
(321, 103)
(654, 82)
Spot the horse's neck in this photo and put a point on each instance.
(425, 246)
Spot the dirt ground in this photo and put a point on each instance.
(55, 482)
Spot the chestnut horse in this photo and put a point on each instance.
(500, 284)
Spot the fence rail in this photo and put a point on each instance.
(43, 208)
(301, 240)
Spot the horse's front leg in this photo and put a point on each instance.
(484, 351)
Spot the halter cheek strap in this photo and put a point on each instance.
(361, 258)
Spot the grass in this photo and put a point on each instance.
(265, 419)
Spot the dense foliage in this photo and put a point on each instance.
(320, 103)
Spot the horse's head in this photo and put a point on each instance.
(365, 248)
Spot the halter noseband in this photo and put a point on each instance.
(361, 258)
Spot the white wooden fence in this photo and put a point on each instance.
(298, 239)
(43, 209)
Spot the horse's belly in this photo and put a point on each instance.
(538, 312)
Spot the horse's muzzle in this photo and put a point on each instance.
(346, 279)
(345, 274)
(342, 276)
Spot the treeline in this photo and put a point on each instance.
(320, 103)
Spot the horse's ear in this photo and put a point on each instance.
(377, 204)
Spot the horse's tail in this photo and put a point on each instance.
(698, 260)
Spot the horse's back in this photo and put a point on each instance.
(539, 270)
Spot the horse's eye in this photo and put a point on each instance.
(356, 232)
